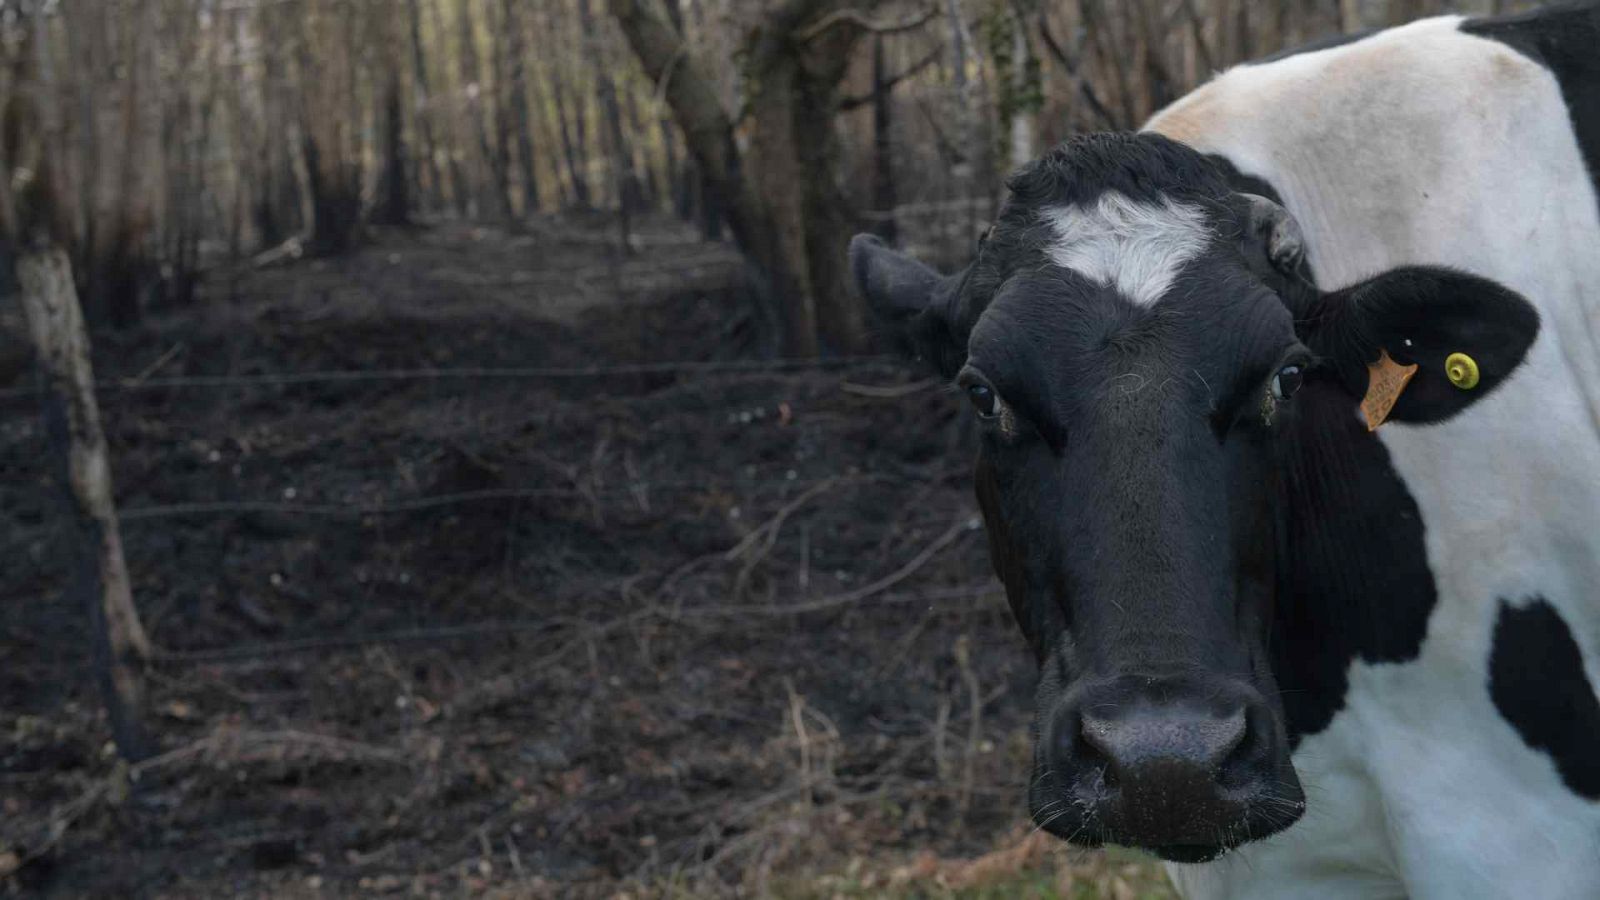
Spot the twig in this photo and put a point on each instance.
(965, 524)
(797, 719)
(860, 20)
(963, 652)
(233, 746)
(766, 534)
(848, 103)
(155, 367)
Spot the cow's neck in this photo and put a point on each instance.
(1353, 580)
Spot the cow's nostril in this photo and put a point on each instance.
(1097, 738)
(1231, 737)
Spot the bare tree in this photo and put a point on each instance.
(496, 191)
(34, 223)
(618, 153)
(794, 227)
(519, 104)
(394, 200)
(328, 143)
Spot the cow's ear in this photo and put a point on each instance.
(1465, 334)
(910, 301)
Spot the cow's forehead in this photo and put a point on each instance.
(1138, 247)
(1056, 338)
(1126, 211)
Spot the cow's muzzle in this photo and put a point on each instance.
(1185, 767)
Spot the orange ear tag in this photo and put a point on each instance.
(1385, 380)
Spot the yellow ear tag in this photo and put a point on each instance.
(1462, 370)
(1385, 380)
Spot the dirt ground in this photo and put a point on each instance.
(726, 630)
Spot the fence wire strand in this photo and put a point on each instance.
(393, 507)
(383, 508)
(351, 376)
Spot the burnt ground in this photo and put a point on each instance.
(720, 631)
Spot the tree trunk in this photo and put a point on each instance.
(500, 101)
(114, 255)
(681, 178)
(394, 206)
(335, 199)
(461, 186)
(72, 421)
(1022, 130)
(644, 178)
(782, 200)
(883, 193)
(430, 148)
(495, 186)
(571, 149)
(616, 141)
(34, 224)
(519, 107)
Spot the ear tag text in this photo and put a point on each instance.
(1385, 380)
(1462, 370)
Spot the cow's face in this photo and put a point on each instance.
(1140, 349)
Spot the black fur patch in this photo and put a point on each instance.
(1537, 681)
(1565, 40)
(1355, 582)
(1143, 165)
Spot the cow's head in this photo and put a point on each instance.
(1145, 354)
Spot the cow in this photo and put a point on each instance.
(1289, 462)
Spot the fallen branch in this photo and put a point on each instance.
(289, 250)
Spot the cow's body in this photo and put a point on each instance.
(1462, 759)
(1289, 655)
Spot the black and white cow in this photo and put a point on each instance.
(1363, 661)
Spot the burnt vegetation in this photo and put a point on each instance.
(510, 498)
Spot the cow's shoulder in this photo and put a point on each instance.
(1326, 42)
(1565, 40)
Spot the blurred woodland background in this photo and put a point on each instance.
(484, 483)
(177, 133)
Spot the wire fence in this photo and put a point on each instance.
(581, 630)
(384, 508)
(641, 489)
(355, 376)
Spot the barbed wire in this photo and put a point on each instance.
(335, 376)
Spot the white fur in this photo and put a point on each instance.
(1425, 145)
(1137, 247)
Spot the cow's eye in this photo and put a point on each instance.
(983, 400)
(1287, 381)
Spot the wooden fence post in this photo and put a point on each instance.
(72, 424)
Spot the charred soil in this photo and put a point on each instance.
(729, 628)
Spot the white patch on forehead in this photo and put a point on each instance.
(1137, 247)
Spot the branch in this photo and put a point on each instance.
(1071, 68)
(692, 96)
(860, 20)
(1201, 46)
(848, 103)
